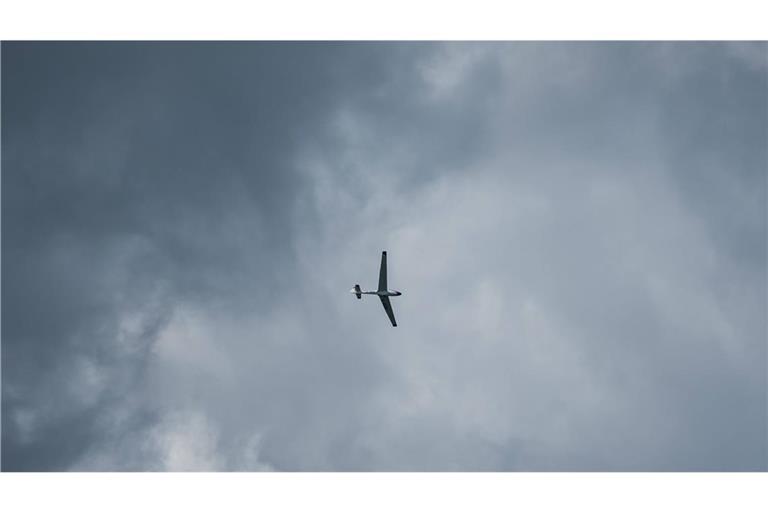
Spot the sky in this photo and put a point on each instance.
(578, 230)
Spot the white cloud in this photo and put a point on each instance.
(186, 441)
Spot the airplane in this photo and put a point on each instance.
(382, 292)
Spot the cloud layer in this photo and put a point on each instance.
(579, 231)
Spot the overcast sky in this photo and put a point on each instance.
(578, 230)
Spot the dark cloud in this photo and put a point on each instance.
(579, 230)
(138, 176)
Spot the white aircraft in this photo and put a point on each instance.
(382, 292)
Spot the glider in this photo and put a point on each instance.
(382, 292)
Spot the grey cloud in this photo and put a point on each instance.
(579, 230)
(139, 176)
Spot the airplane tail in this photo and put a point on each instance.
(357, 291)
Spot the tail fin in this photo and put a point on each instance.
(358, 291)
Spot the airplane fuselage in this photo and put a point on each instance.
(385, 293)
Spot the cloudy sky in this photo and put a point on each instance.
(579, 231)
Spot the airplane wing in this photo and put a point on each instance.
(383, 274)
(388, 308)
